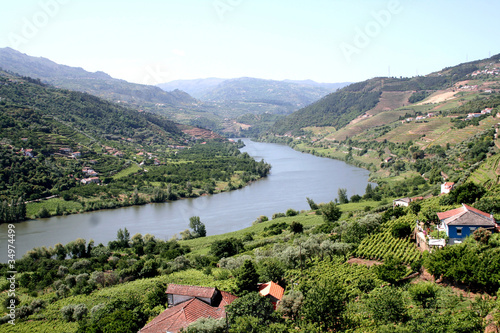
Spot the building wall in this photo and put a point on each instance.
(466, 231)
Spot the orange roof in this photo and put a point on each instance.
(272, 289)
(195, 291)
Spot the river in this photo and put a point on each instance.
(294, 176)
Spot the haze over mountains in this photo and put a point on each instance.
(99, 83)
(209, 89)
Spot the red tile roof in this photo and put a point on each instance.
(182, 315)
(195, 291)
(272, 289)
(186, 313)
(450, 213)
(466, 215)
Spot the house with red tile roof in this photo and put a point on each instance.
(273, 291)
(461, 222)
(187, 304)
(447, 187)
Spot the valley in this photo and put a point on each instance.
(408, 244)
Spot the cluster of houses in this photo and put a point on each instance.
(493, 71)
(418, 118)
(113, 151)
(482, 113)
(90, 176)
(187, 304)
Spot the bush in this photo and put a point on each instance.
(401, 230)
(296, 227)
(291, 212)
(80, 311)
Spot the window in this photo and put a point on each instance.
(459, 231)
(472, 229)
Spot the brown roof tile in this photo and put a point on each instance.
(195, 291)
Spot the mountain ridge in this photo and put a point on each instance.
(98, 83)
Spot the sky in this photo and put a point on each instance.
(156, 41)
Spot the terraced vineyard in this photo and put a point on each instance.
(488, 174)
(380, 245)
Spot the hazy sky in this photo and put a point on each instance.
(154, 41)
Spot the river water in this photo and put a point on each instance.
(294, 176)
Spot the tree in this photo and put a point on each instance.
(342, 196)
(207, 325)
(253, 305)
(325, 304)
(226, 247)
(386, 305)
(401, 230)
(296, 227)
(246, 278)
(123, 238)
(312, 204)
(271, 270)
(482, 235)
(291, 303)
(392, 270)
(331, 213)
(198, 227)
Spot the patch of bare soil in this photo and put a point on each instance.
(365, 262)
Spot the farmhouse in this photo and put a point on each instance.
(447, 187)
(186, 304)
(94, 180)
(405, 202)
(461, 222)
(273, 291)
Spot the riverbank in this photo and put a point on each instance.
(293, 178)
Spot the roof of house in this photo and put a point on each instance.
(182, 315)
(195, 291)
(449, 184)
(407, 200)
(186, 313)
(272, 289)
(467, 215)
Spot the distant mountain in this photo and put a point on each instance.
(329, 86)
(99, 84)
(374, 96)
(288, 93)
(196, 88)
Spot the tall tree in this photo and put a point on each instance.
(331, 213)
(198, 227)
(247, 278)
(342, 196)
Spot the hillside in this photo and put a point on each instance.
(64, 143)
(359, 102)
(99, 84)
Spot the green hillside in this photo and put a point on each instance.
(363, 100)
(50, 136)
